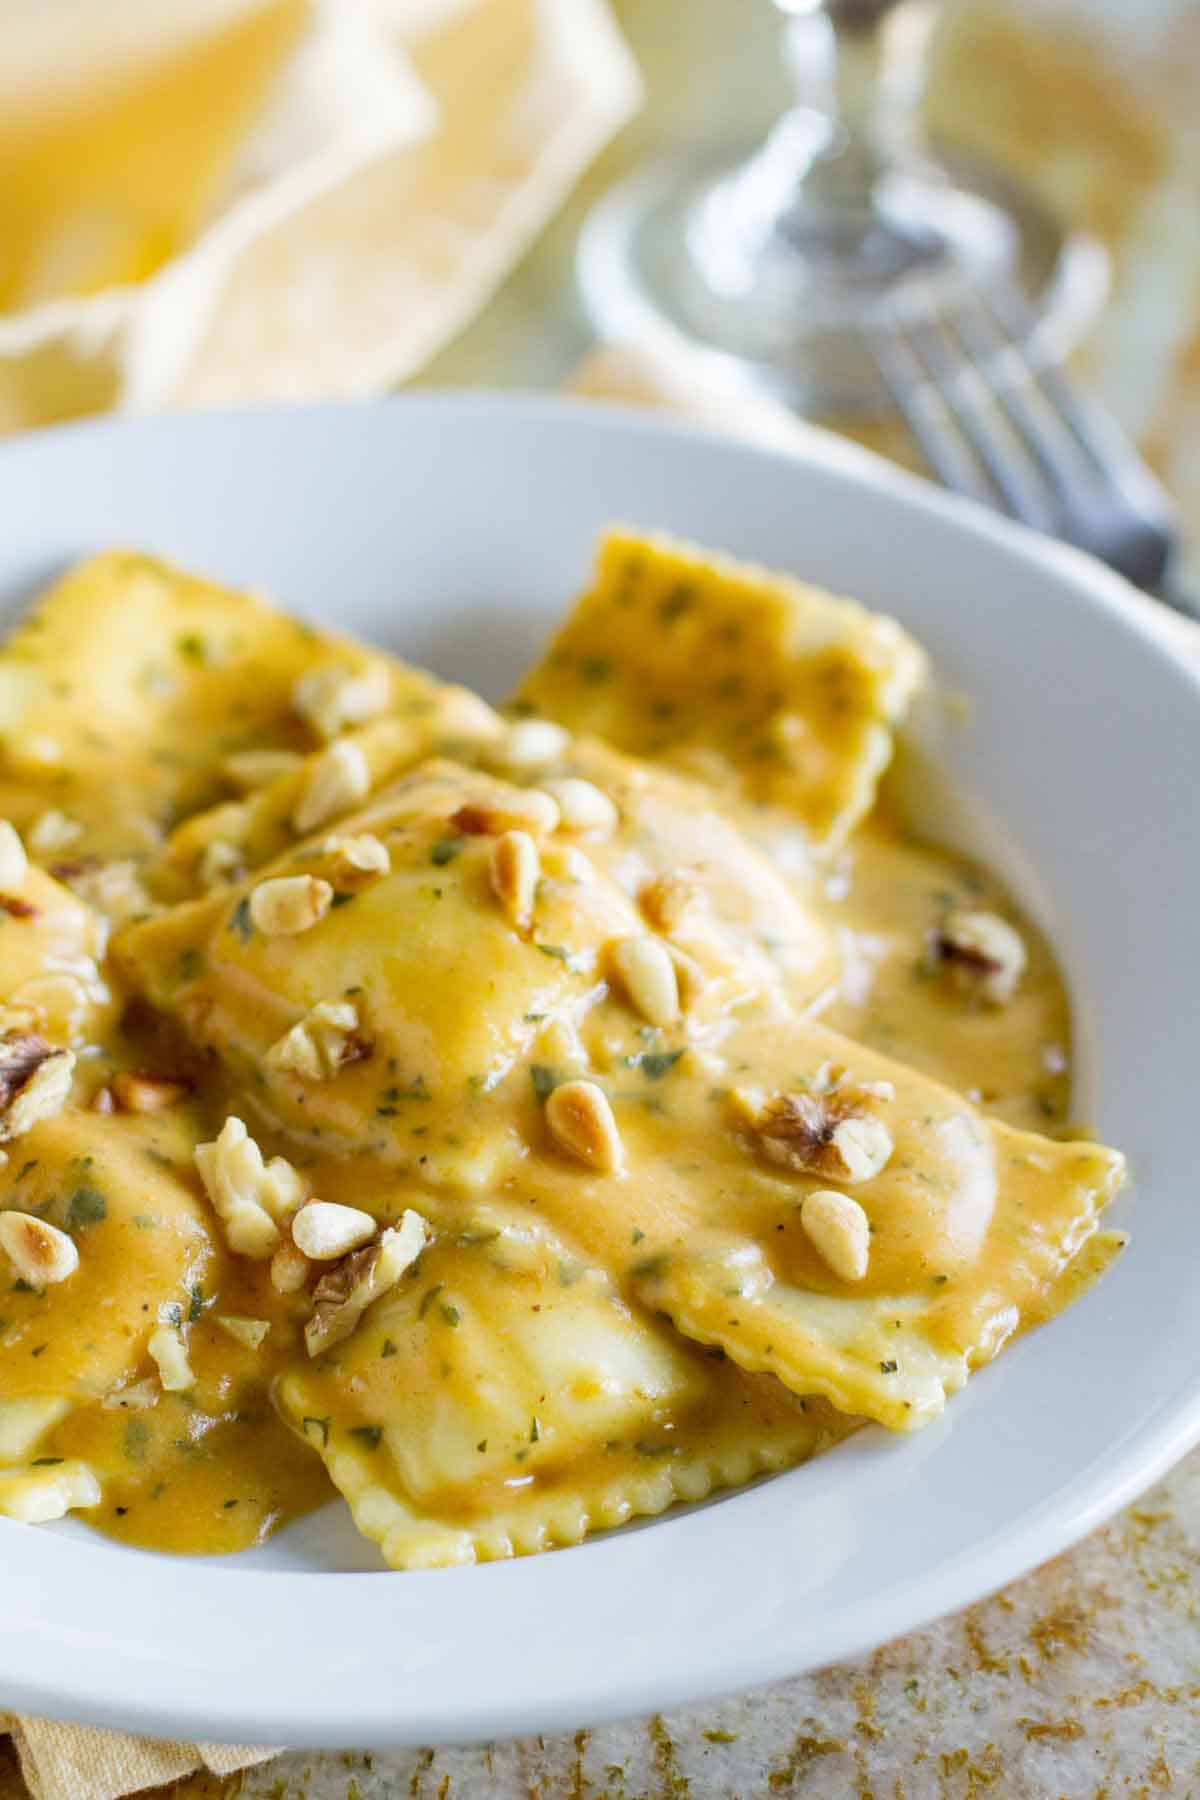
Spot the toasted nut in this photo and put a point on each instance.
(250, 770)
(250, 1332)
(521, 809)
(984, 952)
(864, 1146)
(839, 1231)
(115, 889)
(331, 698)
(169, 1353)
(137, 1092)
(59, 1006)
(324, 1231)
(34, 1081)
(24, 1422)
(645, 970)
(289, 1268)
(54, 831)
(327, 1040)
(667, 899)
(14, 864)
(287, 904)
(139, 1396)
(340, 778)
(344, 1293)
(818, 1133)
(532, 745)
(220, 863)
(249, 1196)
(40, 1253)
(582, 806)
(581, 1122)
(515, 870)
(357, 861)
(35, 1496)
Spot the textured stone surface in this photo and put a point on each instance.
(1081, 1681)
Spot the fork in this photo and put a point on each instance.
(1010, 429)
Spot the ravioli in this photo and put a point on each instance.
(772, 690)
(448, 994)
(506, 1399)
(130, 681)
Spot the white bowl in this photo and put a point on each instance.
(454, 529)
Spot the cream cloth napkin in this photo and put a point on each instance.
(343, 184)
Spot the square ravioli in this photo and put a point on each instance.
(950, 1231)
(504, 1398)
(388, 1023)
(773, 690)
(128, 686)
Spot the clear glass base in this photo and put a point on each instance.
(778, 284)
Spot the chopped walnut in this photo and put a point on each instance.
(135, 1091)
(289, 1268)
(250, 1332)
(57, 1006)
(325, 1231)
(40, 1253)
(34, 1081)
(326, 1040)
(331, 698)
(250, 1196)
(984, 953)
(340, 777)
(114, 889)
(287, 904)
(168, 1353)
(830, 1134)
(344, 1293)
(138, 1396)
(356, 862)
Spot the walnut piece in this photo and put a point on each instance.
(344, 1293)
(35, 1080)
(830, 1134)
(250, 1196)
(326, 1040)
(284, 905)
(340, 777)
(136, 1091)
(983, 951)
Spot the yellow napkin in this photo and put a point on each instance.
(255, 199)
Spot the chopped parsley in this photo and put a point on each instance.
(389, 1348)
(370, 1435)
(87, 1206)
(544, 1080)
(654, 1064)
(445, 851)
(451, 1314)
(240, 922)
(888, 1368)
(427, 1299)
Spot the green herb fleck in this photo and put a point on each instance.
(535, 1431)
(481, 1446)
(544, 1080)
(558, 951)
(451, 1314)
(195, 1302)
(45, 1462)
(192, 646)
(428, 1298)
(654, 1064)
(137, 1439)
(191, 963)
(389, 1348)
(370, 1435)
(888, 1368)
(638, 1235)
(595, 668)
(87, 1206)
(721, 1737)
(240, 922)
(445, 851)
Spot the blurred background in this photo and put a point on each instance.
(236, 201)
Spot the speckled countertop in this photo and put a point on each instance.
(1081, 1681)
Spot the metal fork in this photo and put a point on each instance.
(1010, 429)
